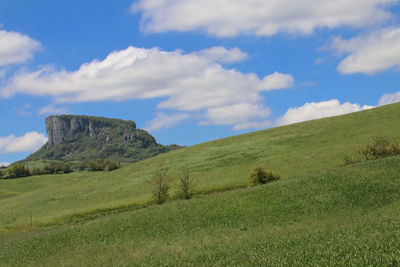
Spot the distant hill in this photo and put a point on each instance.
(84, 138)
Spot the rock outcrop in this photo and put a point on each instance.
(84, 138)
(60, 127)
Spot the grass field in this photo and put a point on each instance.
(292, 150)
(347, 216)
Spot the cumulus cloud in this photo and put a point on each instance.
(51, 109)
(371, 53)
(223, 55)
(389, 99)
(185, 82)
(29, 142)
(226, 18)
(317, 110)
(16, 47)
(165, 121)
(4, 164)
(242, 115)
(276, 81)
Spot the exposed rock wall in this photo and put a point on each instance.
(60, 127)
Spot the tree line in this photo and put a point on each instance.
(20, 170)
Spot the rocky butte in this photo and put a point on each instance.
(84, 138)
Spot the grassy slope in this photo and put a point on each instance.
(345, 216)
(290, 150)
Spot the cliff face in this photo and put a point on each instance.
(60, 127)
(84, 138)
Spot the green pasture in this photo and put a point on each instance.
(347, 216)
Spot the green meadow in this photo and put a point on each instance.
(347, 216)
(319, 214)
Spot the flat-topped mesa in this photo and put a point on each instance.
(60, 127)
(84, 138)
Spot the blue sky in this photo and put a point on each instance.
(192, 71)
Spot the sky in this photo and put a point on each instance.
(190, 71)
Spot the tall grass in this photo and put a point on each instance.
(346, 216)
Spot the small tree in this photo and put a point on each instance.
(160, 185)
(186, 186)
(2, 174)
(260, 176)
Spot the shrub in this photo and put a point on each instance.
(61, 167)
(260, 176)
(347, 161)
(98, 165)
(37, 171)
(102, 164)
(380, 146)
(81, 166)
(186, 186)
(113, 166)
(18, 171)
(47, 169)
(2, 174)
(160, 185)
(56, 168)
(394, 149)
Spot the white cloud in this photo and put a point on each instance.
(50, 109)
(223, 55)
(163, 121)
(186, 82)
(276, 81)
(389, 99)
(16, 47)
(4, 164)
(29, 142)
(317, 110)
(375, 52)
(226, 18)
(241, 115)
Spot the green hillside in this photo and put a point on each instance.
(348, 216)
(292, 150)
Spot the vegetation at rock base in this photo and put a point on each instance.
(103, 164)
